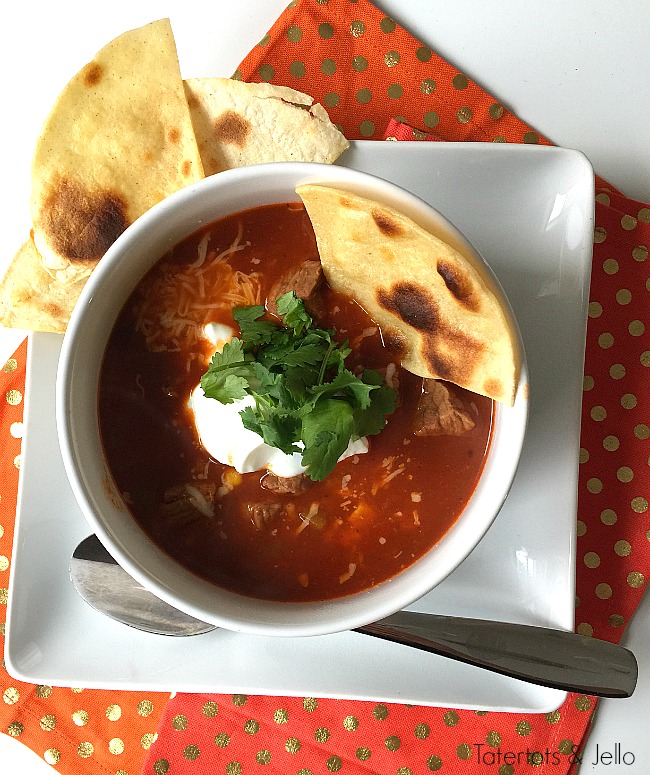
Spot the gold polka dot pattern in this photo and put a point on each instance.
(179, 722)
(73, 730)
(292, 745)
(210, 709)
(80, 717)
(48, 722)
(611, 484)
(116, 746)
(351, 723)
(52, 756)
(360, 742)
(147, 740)
(145, 708)
(324, 33)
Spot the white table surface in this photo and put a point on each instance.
(578, 71)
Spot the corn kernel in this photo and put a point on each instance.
(231, 478)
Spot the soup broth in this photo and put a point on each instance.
(372, 517)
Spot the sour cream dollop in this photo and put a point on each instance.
(224, 437)
(222, 433)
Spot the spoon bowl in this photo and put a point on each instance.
(109, 589)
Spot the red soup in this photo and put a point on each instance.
(373, 516)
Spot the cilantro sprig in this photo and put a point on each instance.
(302, 389)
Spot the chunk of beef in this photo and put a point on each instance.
(440, 412)
(263, 514)
(286, 485)
(306, 281)
(187, 502)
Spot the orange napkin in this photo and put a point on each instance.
(368, 71)
(76, 729)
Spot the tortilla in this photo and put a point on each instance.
(118, 140)
(437, 311)
(237, 124)
(31, 298)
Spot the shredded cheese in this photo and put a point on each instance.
(202, 251)
(348, 574)
(370, 331)
(391, 376)
(177, 301)
(198, 500)
(307, 518)
(393, 474)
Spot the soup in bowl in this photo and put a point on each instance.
(251, 438)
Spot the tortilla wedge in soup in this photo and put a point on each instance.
(288, 524)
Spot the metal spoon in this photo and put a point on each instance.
(560, 660)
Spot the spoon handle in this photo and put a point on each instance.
(560, 660)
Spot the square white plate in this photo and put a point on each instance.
(529, 210)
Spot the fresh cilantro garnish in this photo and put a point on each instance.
(303, 392)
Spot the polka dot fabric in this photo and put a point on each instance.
(366, 69)
(75, 730)
(614, 523)
(378, 82)
(308, 736)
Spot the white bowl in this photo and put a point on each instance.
(107, 290)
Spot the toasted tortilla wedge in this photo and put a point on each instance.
(31, 298)
(436, 309)
(120, 138)
(117, 141)
(237, 124)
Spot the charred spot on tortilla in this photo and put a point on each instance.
(193, 101)
(449, 353)
(237, 124)
(453, 355)
(232, 129)
(114, 144)
(93, 74)
(345, 201)
(386, 225)
(83, 224)
(412, 304)
(53, 310)
(458, 285)
(394, 341)
(454, 324)
(444, 366)
(493, 386)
